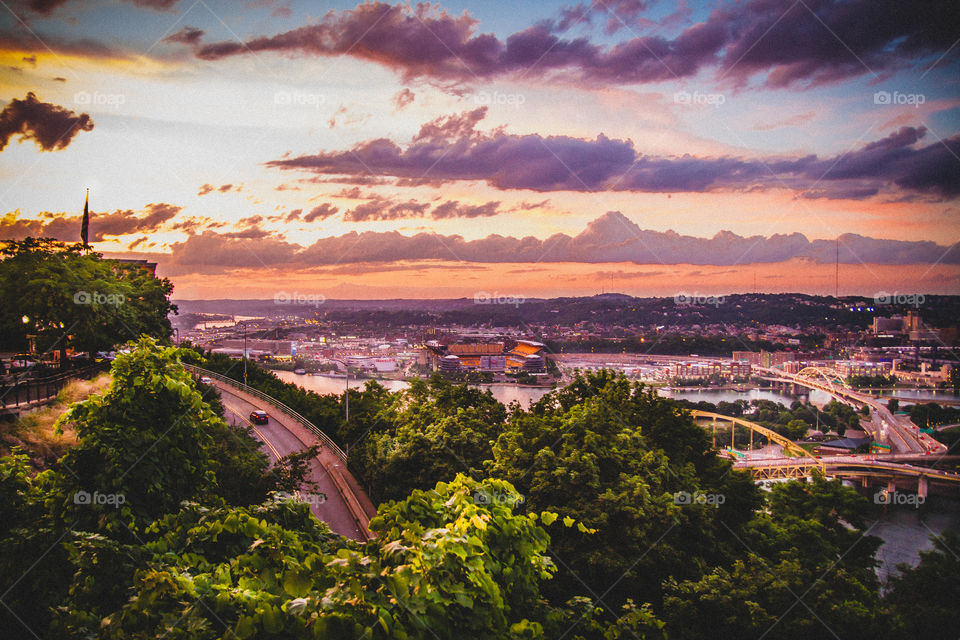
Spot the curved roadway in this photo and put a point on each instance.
(902, 434)
(339, 508)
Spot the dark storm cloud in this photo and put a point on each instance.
(51, 126)
(610, 238)
(812, 42)
(450, 148)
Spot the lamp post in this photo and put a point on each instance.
(346, 392)
(244, 352)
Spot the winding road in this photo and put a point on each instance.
(337, 498)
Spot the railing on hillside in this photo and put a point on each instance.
(324, 438)
(38, 390)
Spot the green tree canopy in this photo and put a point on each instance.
(616, 454)
(805, 569)
(64, 296)
(924, 600)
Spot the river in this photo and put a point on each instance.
(505, 393)
(906, 530)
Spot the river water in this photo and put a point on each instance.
(505, 393)
(905, 530)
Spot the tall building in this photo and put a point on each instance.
(764, 358)
(912, 322)
(888, 325)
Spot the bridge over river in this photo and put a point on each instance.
(795, 462)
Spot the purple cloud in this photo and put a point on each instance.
(47, 7)
(50, 126)
(818, 41)
(403, 99)
(610, 238)
(450, 148)
(321, 212)
(187, 35)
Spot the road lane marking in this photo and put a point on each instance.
(263, 438)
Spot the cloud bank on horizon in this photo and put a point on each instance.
(372, 136)
(610, 238)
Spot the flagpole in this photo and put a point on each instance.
(85, 223)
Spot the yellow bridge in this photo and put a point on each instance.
(797, 462)
(790, 448)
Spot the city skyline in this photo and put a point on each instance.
(439, 151)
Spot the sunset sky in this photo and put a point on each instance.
(520, 148)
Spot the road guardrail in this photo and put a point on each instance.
(324, 438)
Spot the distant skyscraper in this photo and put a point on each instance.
(85, 224)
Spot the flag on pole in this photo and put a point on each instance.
(85, 225)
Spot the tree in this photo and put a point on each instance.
(443, 564)
(795, 429)
(923, 599)
(893, 405)
(61, 296)
(152, 441)
(617, 455)
(427, 433)
(72, 538)
(806, 571)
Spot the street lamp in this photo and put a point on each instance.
(346, 392)
(244, 352)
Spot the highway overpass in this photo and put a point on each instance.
(901, 434)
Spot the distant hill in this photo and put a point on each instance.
(609, 309)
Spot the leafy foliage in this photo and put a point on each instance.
(576, 532)
(67, 297)
(616, 454)
(807, 570)
(431, 431)
(923, 599)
